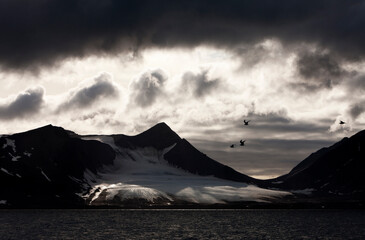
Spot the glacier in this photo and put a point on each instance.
(143, 173)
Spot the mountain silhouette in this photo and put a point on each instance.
(159, 136)
(54, 167)
(335, 170)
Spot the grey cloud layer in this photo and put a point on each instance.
(199, 84)
(319, 66)
(25, 104)
(101, 88)
(357, 109)
(146, 89)
(39, 33)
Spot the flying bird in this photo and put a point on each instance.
(342, 122)
(242, 142)
(246, 122)
(232, 146)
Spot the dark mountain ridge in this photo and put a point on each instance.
(159, 136)
(39, 167)
(335, 170)
(46, 167)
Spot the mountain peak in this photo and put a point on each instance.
(161, 129)
(47, 130)
(159, 136)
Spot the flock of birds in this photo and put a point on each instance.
(242, 142)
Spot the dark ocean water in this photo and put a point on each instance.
(182, 224)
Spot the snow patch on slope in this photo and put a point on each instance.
(6, 171)
(14, 158)
(45, 176)
(144, 173)
(10, 143)
(128, 191)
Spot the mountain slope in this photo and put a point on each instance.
(185, 156)
(39, 167)
(338, 170)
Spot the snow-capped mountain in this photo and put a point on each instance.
(53, 167)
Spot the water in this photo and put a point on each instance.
(182, 224)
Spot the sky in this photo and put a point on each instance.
(293, 68)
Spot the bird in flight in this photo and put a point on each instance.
(232, 146)
(242, 142)
(342, 122)
(246, 122)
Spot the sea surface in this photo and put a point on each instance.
(182, 224)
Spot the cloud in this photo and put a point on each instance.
(315, 65)
(318, 70)
(42, 33)
(356, 110)
(102, 87)
(199, 84)
(25, 104)
(356, 84)
(146, 90)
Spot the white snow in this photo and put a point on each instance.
(14, 158)
(3, 202)
(18, 175)
(28, 154)
(145, 173)
(6, 171)
(10, 143)
(49, 180)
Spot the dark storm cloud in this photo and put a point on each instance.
(318, 70)
(319, 66)
(25, 104)
(199, 84)
(146, 90)
(102, 88)
(356, 110)
(40, 33)
(356, 84)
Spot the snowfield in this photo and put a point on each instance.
(144, 174)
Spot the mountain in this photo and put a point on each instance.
(183, 155)
(338, 170)
(43, 167)
(54, 167)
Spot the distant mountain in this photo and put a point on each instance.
(338, 170)
(54, 167)
(183, 155)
